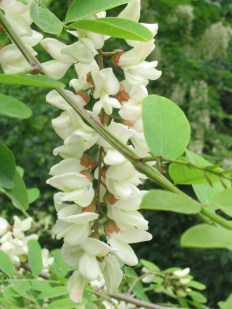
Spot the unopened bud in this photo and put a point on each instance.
(84, 96)
(103, 171)
(87, 162)
(87, 174)
(111, 228)
(116, 57)
(90, 208)
(109, 198)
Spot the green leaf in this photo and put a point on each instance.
(186, 175)
(166, 129)
(30, 80)
(228, 303)
(54, 292)
(45, 19)
(13, 108)
(40, 285)
(224, 200)
(59, 266)
(62, 304)
(7, 167)
(149, 265)
(138, 287)
(6, 265)
(207, 236)
(169, 201)
(33, 195)
(196, 285)
(21, 287)
(34, 257)
(197, 296)
(205, 192)
(115, 27)
(81, 9)
(18, 194)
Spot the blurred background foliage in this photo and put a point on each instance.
(194, 50)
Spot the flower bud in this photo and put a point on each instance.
(90, 78)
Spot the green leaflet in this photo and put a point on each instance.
(81, 9)
(115, 27)
(12, 107)
(166, 129)
(7, 167)
(169, 201)
(45, 19)
(30, 80)
(207, 236)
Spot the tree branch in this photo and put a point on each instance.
(131, 300)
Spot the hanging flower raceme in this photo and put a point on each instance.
(99, 197)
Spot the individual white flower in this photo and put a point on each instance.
(120, 242)
(14, 6)
(56, 68)
(136, 55)
(141, 73)
(20, 226)
(106, 84)
(122, 180)
(72, 225)
(4, 226)
(82, 51)
(113, 157)
(11, 58)
(54, 98)
(182, 272)
(85, 255)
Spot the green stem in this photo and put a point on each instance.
(216, 218)
(137, 162)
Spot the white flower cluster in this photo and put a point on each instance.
(98, 186)
(18, 16)
(13, 241)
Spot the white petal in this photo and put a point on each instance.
(34, 39)
(113, 157)
(53, 47)
(55, 69)
(124, 252)
(106, 83)
(89, 267)
(81, 219)
(69, 181)
(137, 54)
(17, 22)
(131, 11)
(133, 236)
(76, 234)
(95, 247)
(72, 254)
(82, 197)
(66, 166)
(76, 284)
